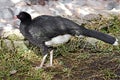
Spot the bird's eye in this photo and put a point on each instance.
(20, 16)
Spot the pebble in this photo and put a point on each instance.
(6, 13)
(13, 72)
(6, 4)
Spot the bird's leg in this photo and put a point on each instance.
(51, 57)
(43, 61)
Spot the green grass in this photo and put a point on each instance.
(75, 60)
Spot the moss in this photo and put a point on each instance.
(15, 37)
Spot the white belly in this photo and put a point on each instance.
(58, 40)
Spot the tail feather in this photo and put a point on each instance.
(101, 36)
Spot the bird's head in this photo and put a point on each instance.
(24, 16)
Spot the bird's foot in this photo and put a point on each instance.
(49, 65)
(46, 66)
(38, 67)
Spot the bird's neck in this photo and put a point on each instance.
(24, 26)
(26, 22)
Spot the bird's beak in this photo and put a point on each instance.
(15, 17)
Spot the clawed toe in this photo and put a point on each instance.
(38, 67)
(49, 65)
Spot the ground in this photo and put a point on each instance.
(75, 60)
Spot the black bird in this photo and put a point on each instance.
(45, 31)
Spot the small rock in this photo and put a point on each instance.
(13, 34)
(92, 40)
(6, 3)
(13, 71)
(91, 17)
(31, 2)
(6, 13)
(15, 1)
(11, 45)
(111, 5)
(2, 25)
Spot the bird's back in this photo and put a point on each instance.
(50, 26)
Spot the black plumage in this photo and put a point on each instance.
(45, 28)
